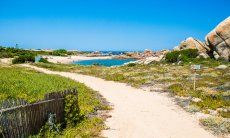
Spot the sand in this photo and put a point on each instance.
(140, 114)
(70, 59)
(6, 60)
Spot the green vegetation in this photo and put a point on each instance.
(63, 52)
(60, 52)
(43, 60)
(183, 55)
(72, 111)
(23, 83)
(87, 128)
(17, 82)
(24, 58)
(217, 124)
(10, 52)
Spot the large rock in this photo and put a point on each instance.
(192, 43)
(149, 60)
(219, 39)
(147, 53)
(222, 67)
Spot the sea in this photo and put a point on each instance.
(105, 62)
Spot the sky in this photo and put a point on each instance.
(107, 24)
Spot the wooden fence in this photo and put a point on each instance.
(19, 119)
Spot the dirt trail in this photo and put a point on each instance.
(139, 114)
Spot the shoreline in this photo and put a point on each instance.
(70, 59)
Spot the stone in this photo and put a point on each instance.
(219, 39)
(179, 62)
(216, 55)
(203, 55)
(212, 112)
(147, 53)
(192, 43)
(149, 60)
(176, 48)
(200, 115)
(196, 100)
(222, 67)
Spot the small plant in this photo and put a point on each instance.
(131, 64)
(225, 114)
(217, 124)
(43, 60)
(72, 110)
(192, 109)
(46, 132)
(177, 89)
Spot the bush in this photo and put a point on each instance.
(217, 124)
(183, 55)
(6, 55)
(24, 58)
(177, 89)
(172, 56)
(131, 64)
(43, 60)
(60, 52)
(72, 111)
(189, 53)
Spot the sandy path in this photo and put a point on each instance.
(140, 114)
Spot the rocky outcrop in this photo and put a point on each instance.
(219, 39)
(192, 43)
(147, 53)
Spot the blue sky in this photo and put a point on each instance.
(107, 24)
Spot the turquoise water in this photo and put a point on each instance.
(103, 62)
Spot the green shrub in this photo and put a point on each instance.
(189, 53)
(60, 52)
(24, 58)
(43, 60)
(72, 111)
(183, 55)
(6, 55)
(212, 102)
(131, 64)
(172, 56)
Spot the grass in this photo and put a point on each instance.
(87, 128)
(18, 82)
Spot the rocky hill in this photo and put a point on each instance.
(216, 45)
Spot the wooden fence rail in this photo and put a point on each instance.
(27, 119)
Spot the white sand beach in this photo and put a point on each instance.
(139, 114)
(69, 59)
